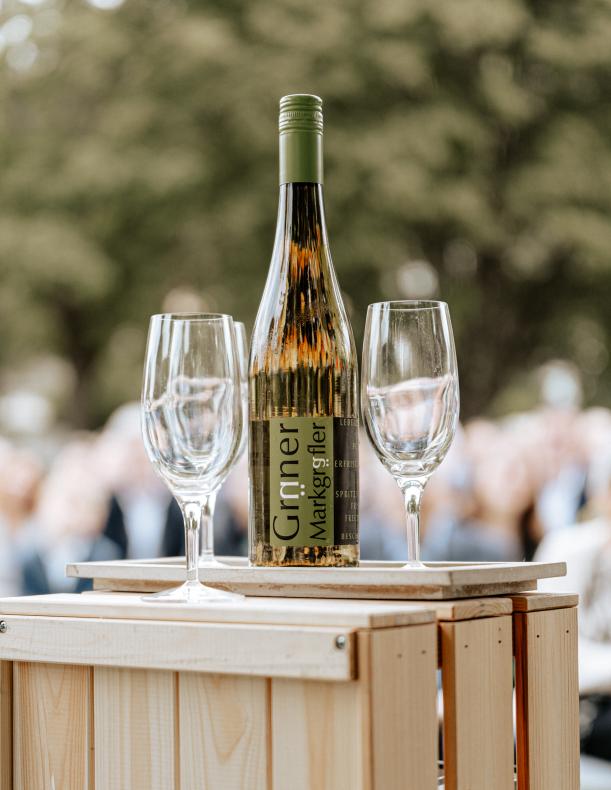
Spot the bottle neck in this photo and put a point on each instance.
(301, 226)
(301, 157)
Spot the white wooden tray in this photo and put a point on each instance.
(381, 580)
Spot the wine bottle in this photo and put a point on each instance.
(303, 379)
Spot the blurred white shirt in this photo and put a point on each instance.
(585, 549)
(10, 571)
(560, 498)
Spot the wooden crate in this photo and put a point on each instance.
(105, 692)
(376, 580)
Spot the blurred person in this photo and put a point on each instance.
(587, 552)
(506, 497)
(480, 434)
(448, 504)
(231, 513)
(20, 478)
(563, 492)
(494, 502)
(449, 487)
(593, 427)
(593, 431)
(144, 520)
(382, 521)
(67, 525)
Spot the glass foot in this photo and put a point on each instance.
(414, 565)
(194, 593)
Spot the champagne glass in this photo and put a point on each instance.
(242, 343)
(409, 397)
(192, 424)
(207, 558)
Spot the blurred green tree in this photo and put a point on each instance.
(468, 152)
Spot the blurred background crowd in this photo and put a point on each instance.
(506, 485)
(468, 158)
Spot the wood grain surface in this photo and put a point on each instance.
(252, 611)
(6, 725)
(401, 664)
(282, 651)
(51, 706)
(547, 700)
(318, 736)
(373, 580)
(135, 729)
(539, 601)
(477, 676)
(224, 732)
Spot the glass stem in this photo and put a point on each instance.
(207, 539)
(412, 494)
(192, 514)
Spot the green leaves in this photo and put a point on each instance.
(139, 159)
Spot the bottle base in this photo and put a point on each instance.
(267, 556)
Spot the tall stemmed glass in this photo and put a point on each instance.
(409, 396)
(207, 558)
(192, 424)
(242, 345)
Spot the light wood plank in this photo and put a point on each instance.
(51, 726)
(282, 651)
(6, 725)
(254, 611)
(471, 608)
(379, 733)
(547, 700)
(319, 738)
(373, 580)
(540, 601)
(224, 736)
(390, 592)
(368, 573)
(135, 726)
(477, 674)
(402, 666)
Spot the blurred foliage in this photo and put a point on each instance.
(468, 154)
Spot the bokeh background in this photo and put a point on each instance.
(468, 155)
(468, 158)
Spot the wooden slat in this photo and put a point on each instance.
(6, 725)
(282, 651)
(362, 735)
(318, 590)
(224, 736)
(374, 580)
(477, 674)
(135, 728)
(470, 608)
(547, 700)
(253, 611)
(540, 601)
(319, 740)
(402, 667)
(345, 612)
(51, 726)
(367, 574)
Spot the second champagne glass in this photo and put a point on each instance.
(242, 348)
(192, 424)
(409, 396)
(207, 558)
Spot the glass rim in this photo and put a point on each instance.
(191, 317)
(409, 305)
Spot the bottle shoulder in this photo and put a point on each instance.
(304, 325)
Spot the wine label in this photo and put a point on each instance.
(313, 481)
